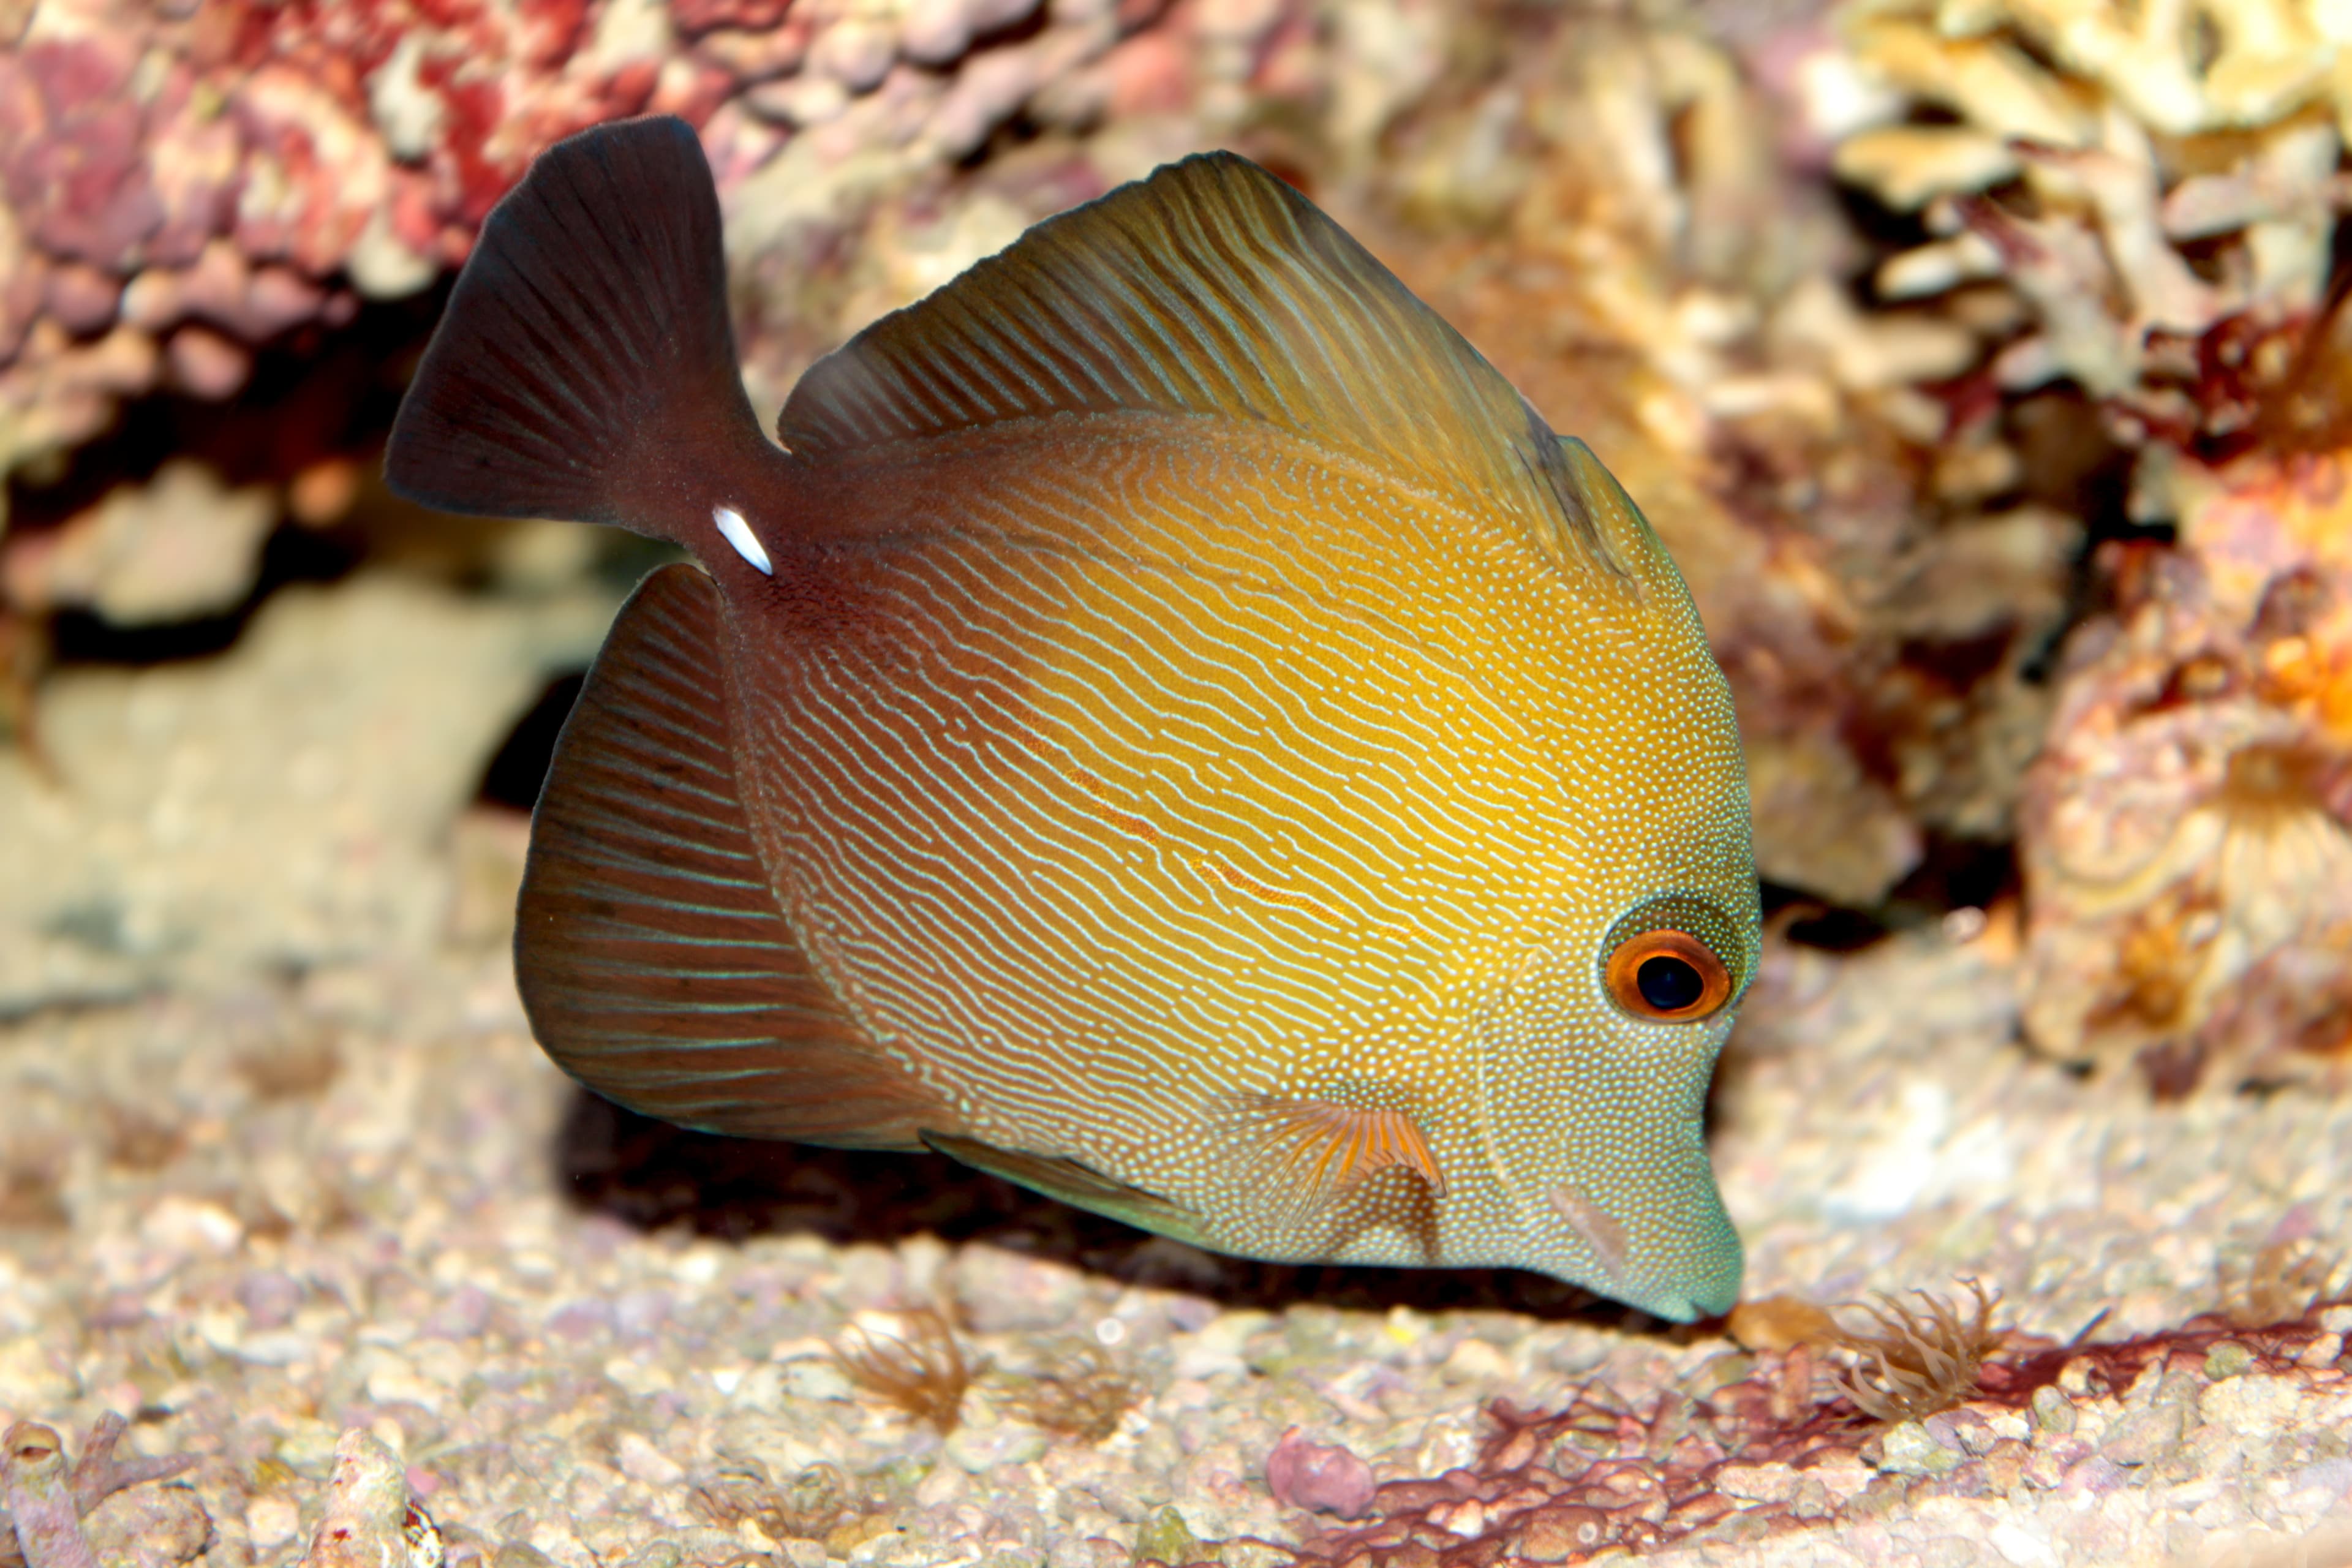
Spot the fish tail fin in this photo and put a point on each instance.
(586, 367)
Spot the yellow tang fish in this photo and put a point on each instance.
(1170, 725)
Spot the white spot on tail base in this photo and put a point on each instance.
(737, 532)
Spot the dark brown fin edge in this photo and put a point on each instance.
(653, 962)
(585, 365)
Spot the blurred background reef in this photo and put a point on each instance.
(1978, 361)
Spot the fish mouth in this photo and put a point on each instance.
(1713, 1301)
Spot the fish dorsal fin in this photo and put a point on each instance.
(653, 961)
(1080, 1186)
(1211, 289)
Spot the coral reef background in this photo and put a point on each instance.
(1982, 361)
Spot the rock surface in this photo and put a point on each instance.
(285, 1183)
(282, 804)
(257, 1259)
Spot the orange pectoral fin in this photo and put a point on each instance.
(1317, 1148)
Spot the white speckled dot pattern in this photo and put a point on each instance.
(1341, 807)
(1177, 686)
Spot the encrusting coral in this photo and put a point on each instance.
(186, 189)
(2155, 185)
(185, 185)
(2188, 837)
(41, 1527)
(2138, 204)
(2130, 210)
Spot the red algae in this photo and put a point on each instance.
(1765, 1453)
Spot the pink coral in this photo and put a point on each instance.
(695, 18)
(206, 177)
(1320, 1476)
(75, 169)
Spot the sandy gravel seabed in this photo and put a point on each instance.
(252, 1221)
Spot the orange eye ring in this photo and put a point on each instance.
(1667, 977)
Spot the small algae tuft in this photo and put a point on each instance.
(1082, 1400)
(922, 1374)
(1916, 1361)
(2283, 1283)
(810, 1507)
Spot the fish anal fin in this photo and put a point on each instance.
(1080, 1185)
(1317, 1148)
(653, 962)
(1209, 288)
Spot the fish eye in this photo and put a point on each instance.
(1667, 976)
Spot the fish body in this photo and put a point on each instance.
(1170, 726)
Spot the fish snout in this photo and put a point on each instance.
(1656, 1238)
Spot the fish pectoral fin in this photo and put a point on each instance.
(651, 957)
(1317, 1148)
(1209, 288)
(1078, 1185)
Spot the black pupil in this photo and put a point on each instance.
(1669, 985)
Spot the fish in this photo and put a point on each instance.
(1165, 722)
